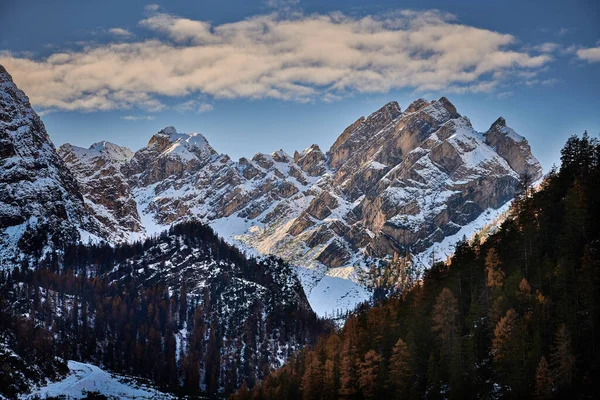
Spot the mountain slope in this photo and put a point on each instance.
(394, 181)
(513, 317)
(40, 202)
(105, 189)
(183, 309)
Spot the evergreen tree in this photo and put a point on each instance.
(562, 359)
(400, 373)
(368, 374)
(445, 319)
(543, 380)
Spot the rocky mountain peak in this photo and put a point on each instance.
(385, 114)
(102, 152)
(498, 124)
(417, 105)
(106, 191)
(360, 132)
(170, 154)
(40, 201)
(514, 148)
(311, 160)
(170, 142)
(441, 110)
(281, 156)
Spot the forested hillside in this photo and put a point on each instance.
(185, 310)
(515, 316)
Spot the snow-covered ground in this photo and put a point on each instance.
(329, 294)
(85, 378)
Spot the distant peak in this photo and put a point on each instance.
(280, 156)
(389, 111)
(447, 105)
(498, 124)
(173, 136)
(103, 149)
(417, 105)
(169, 130)
(99, 146)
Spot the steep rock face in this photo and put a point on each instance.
(513, 148)
(40, 202)
(312, 160)
(105, 189)
(356, 135)
(392, 181)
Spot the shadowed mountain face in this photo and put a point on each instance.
(40, 201)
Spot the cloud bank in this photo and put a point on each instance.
(298, 58)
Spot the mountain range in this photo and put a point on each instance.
(393, 182)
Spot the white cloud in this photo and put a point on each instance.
(205, 107)
(504, 95)
(138, 117)
(151, 8)
(193, 105)
(120, 32)
(591, 54)
(550, 82)
(547, 47)
(300, 58)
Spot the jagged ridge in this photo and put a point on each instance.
(391, 181)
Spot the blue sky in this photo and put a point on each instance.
(259, 76)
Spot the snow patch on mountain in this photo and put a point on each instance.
(443, 250)
(84, 379)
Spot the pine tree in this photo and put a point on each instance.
(524, 291)
(400, 372)
(562, 359)
(368, 374)
(503, 335)
(349, 361)
(495, 274)
(312, 380)
(543, 380)
(330, 378)
(445, 316)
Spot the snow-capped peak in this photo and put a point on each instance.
(185, 146)
(105, 150)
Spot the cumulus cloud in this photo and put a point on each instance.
(591, 54)
(299, 58)
(120, 32)
(138, 117)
